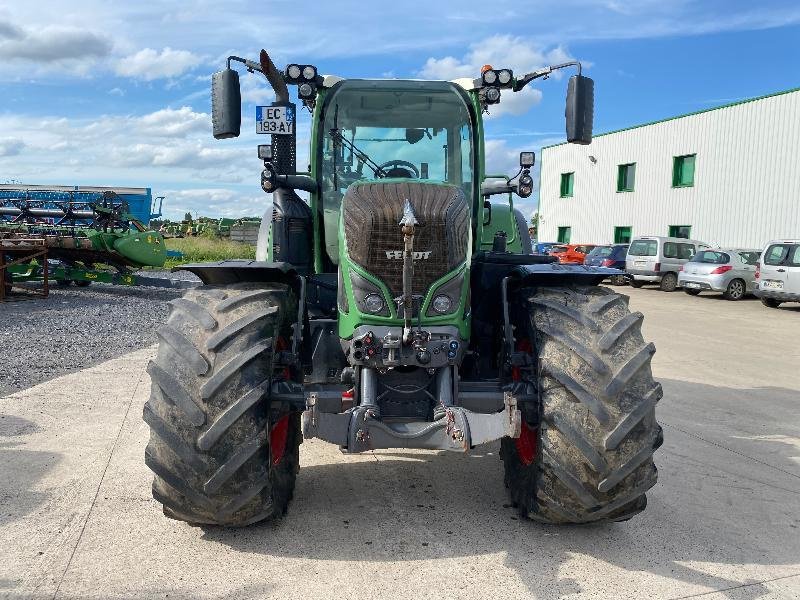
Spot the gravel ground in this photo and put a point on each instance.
(75, 328)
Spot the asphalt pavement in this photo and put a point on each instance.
(77, 519)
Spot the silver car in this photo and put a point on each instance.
(731, 271)
(779, 273)
(655, 259)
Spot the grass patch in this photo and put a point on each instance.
(205, 249)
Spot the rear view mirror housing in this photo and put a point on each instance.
(580, 110)
(226, 104)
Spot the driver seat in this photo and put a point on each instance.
(401, 172)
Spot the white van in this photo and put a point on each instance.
(778, 273)
(654, 259)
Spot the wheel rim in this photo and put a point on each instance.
(736, 289)
(277, 439)
(527, 444)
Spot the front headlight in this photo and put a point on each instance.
(446, 297)
(368, 296)
(492, 95)
(309, 72)
(373, 303)
(293, 71)
(442, 304)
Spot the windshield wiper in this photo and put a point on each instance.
(363, 157)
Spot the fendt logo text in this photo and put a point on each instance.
(398, 254)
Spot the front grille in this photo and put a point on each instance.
(372, 213)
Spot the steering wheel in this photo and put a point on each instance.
(400, 164)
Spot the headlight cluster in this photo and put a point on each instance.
(305, 78)
(492, 80)
(268, 178)
(525, 185)
(496, 77)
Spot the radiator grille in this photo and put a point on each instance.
(372, 213)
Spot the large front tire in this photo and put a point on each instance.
(221, 454)
(591, 457)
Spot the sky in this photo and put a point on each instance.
(105, 93)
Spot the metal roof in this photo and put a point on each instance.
(691, 114)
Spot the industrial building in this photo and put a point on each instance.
(729, 176)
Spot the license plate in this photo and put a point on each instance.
(277, 120)
(640, 263)
(691, 284)
(772, 284)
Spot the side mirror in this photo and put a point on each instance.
(226, 104)
(580, 110)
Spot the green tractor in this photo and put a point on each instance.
(398, 307)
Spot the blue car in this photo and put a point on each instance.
(609, 256)
(543, 247)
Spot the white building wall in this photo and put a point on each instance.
(746, 185)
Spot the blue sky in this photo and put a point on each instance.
(113, 93)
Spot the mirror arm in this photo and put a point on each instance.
(251, 66)
(269, 70)
(297, 182)
(543, 72)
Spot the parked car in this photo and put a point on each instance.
(543, 247)
(778, 273)
(612, 256)
(654, 259)
(571, 254)
(731, 271)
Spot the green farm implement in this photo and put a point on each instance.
(85, 240)
(400, 306)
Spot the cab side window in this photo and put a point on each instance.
(794, 257)
(685, 251)
(670, 250)
(776, 254)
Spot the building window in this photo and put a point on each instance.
(626, 176)
(622, 235)
(683, 171)
(567, 184)
(564, 234)
(680, 231)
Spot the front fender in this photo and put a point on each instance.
(554, 274)
(238, 271)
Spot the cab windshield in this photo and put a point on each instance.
(392, 129)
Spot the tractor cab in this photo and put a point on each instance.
(420, 131)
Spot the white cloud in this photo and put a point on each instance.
(255, 89)
(170, 150)
(149, 64)
(169, 122)
(500, 51)
(218, 202)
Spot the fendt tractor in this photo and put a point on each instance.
(398, 307)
